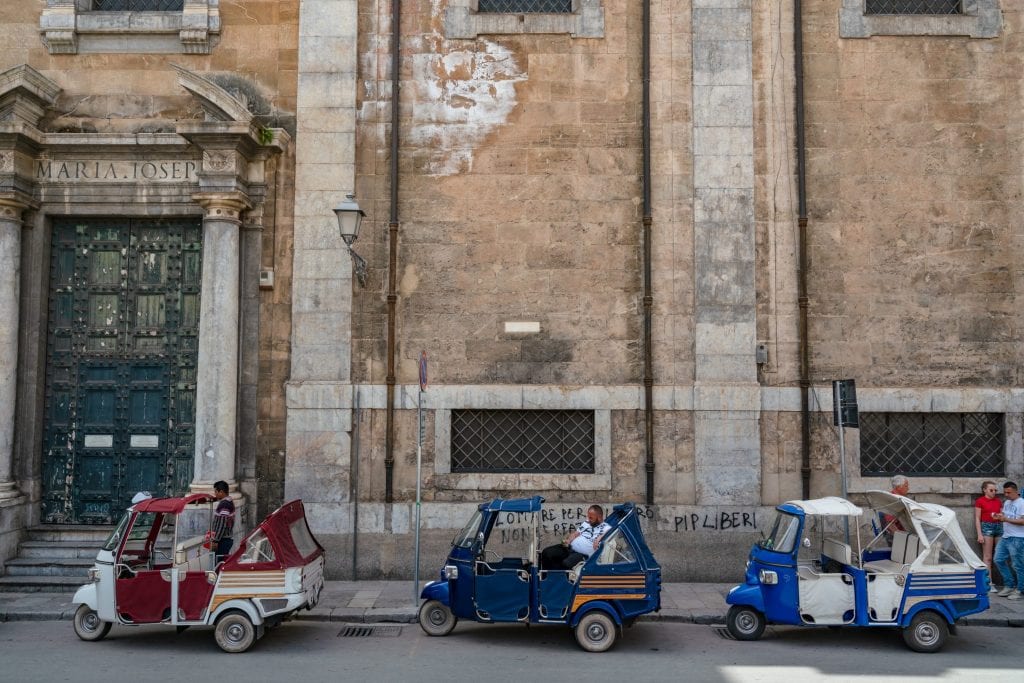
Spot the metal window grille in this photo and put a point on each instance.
(913, 7)
(138, 5)
(525, 6)
(964, 444)
(523, 441)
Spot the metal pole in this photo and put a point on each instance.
(419, 464)
(842, 450)
(354, 491)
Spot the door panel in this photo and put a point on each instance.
(121, 356)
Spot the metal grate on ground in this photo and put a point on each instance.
(913, 7)
(138, 5)
(525, 6)
(522, 441)
(932, 444)
(370, 631)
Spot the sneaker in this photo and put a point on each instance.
(1006, 591)
(1015, 595)
(993, 589)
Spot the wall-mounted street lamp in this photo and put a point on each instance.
(350, 217)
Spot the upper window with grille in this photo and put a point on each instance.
(130, 26)
(913, 7)
(138, 5)
(467, 19)
(553, 441)
(969, 18)
(932, 444)
(525, 6)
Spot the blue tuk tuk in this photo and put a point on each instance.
(609, 590)
(918, 574)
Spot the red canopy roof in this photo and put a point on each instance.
(172, 505)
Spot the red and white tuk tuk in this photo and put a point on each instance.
(157, 568)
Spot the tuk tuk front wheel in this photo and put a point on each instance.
(234, 633)
(595, 632)
(927, 632)
(745, 622)
(436, 619)
(88, 625)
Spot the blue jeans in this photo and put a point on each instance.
(1011, 548)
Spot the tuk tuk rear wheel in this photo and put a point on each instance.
(234, 633)
(88, 625)
(436, 619)
(596, 632)
(927, 632)
(745, 622)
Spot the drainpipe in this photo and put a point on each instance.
(647, 219)
(389, 432)
(801, 183)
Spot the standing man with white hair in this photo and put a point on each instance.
(900, 485)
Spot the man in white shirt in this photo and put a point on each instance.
(1010, 550)
(578, 545)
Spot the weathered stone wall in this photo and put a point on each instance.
(914, 189)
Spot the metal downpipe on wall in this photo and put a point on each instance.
(801, 182)
(648, 300)
(389, 427)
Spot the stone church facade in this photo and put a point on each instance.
(632, 274)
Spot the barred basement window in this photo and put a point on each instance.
(913, 7)
(928, 444)
(138, 5)
(522, 441)
(525, 6)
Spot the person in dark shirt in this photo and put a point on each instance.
(223, 521)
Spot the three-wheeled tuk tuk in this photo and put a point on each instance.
(614, 586)
(926, 579)
(137, 579)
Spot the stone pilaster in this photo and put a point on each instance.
(10, 296)
(217, 365)
(726, 393)
(319, 394)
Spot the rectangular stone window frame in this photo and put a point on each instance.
(980, 19)
(462, 20)
(600, 480)
(72, 27)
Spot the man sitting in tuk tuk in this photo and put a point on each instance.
(578, 545)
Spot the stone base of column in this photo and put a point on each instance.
(10, 494)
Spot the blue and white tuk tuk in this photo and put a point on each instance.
(614, 586)
(922, 582)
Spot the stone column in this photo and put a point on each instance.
(217, 367)
(10, 301)
(727, 401)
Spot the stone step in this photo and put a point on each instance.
(48, 567)
(58, 549)
(70, 532)
(40, 584)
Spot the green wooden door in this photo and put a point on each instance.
(121, 364)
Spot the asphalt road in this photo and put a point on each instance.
(313, 651)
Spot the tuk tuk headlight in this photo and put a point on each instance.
(451, 572)
(767, 577)
(94, 574)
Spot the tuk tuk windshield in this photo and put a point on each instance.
(117, 534)
(465, 538)
(783, 536)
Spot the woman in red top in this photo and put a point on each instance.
(988, 529)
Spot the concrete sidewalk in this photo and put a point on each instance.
(392, 601)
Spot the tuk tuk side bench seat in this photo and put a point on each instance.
(905, 549)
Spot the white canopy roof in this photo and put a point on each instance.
(925, 520)
(832, 505)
